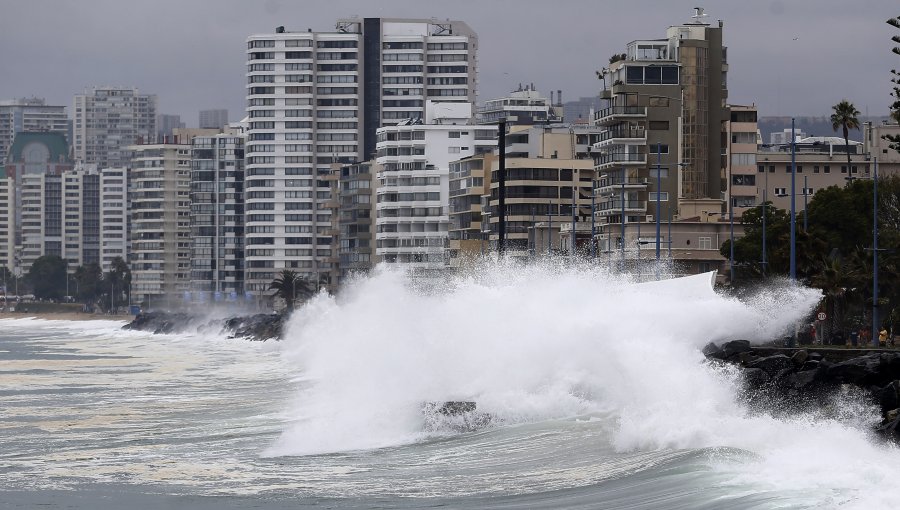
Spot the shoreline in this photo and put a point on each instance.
(65, 316)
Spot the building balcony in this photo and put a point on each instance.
(613, 114)
(613, 207)
(611, 185)
(622, 136)
(618, 159)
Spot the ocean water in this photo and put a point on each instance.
(592, 393)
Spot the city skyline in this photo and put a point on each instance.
(585, 33)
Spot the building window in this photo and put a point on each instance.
(705, 243)
(815, 169)
(826, 169)
(780, 191)
(743, 180)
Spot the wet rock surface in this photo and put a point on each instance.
(800, 380)
(256, 327)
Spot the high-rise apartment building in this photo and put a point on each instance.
(28, 115)
(666, 107)
(217, 217)
(41, 217)
(107, 120)
(161, 219)
(213, 119)
(470, 180)
(316, 99)
(412, 214)
(81, 216)
(7, 221)
(114, 216)
(34, 155)
(356, 223)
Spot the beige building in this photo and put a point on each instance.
(161, 219)
(666, 106)
(821, 162)
(469, 179)
(355, 189)
(695, 245)
(877, 147)
(548, 170)
(741, 145)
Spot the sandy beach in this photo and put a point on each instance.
(65, 316)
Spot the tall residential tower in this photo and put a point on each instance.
(314, 100)
(107, 121)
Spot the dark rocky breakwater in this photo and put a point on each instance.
(258, 327)
(791, 380)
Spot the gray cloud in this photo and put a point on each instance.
(790, 57)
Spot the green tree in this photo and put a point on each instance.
(290, 285)
(837, 278)
(88, 280)
(47, 277)
(846, 117)
(895, 93)
(116, 284)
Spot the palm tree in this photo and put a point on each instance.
(289, 285)
(845, 116)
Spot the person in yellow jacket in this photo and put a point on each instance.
(882, 337)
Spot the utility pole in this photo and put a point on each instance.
(574, 211)
(501, 188)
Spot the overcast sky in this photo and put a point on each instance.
(790, 57)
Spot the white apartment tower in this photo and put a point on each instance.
(412, 215)
(81, 216)
(107, 120)
(41, 213)
(217, 217)
(7, 222)
(315, 99)
(114, 216)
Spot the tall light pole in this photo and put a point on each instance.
(875, 255)
(658, 192)
(765, 198)
(623, 219)
(793, 266)
(593, 222)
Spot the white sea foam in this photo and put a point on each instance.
(537, 343)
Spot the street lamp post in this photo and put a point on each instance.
(875, 328)
(765, 198)
(658, 192)
(593, 223)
